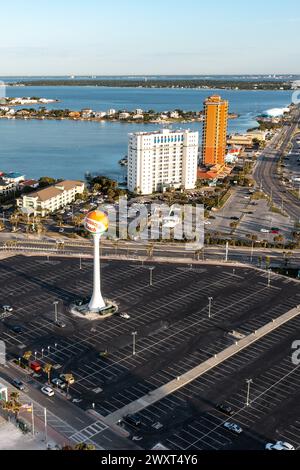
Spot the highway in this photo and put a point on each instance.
(160, 252)
(265, 172)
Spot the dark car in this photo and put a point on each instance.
(133, 420)
(17, 329)
(234, 218)
(226, 409)
(19, 384)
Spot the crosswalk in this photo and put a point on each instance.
(89, 432)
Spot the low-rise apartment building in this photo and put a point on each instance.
(48, 200)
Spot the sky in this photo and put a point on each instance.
(149, 37)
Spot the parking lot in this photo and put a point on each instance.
(253, 217)
(173, 330)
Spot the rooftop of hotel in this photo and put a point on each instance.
(164, 132)
(54, 190)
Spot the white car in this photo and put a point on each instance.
(47, 391)
(124, 315)
(233, 427)
(61, 230)
(264, 230)
(279, 445)
(7, 308)
(207, 222)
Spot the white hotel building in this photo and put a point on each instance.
(162, 159)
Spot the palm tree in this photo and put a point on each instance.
(27, 355)
(150, 250)
(47, 370)
(84, 446)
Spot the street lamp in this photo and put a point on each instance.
(48, 349)
(269, 277)
(35, 354)
(80, 265)
(210, 299)
(151, 275)
(43, 352)
(55, 303)
(134, 333)
(249, 382)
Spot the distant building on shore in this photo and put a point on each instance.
(51, 199)
(214, 131)
(161, 160)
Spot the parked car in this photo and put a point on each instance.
(58, 383)
(103, 353)
(226, 409)
(133, 420)
(19, 385)
(63, 377)
(47, 391)
(234, 218)
(7, 308)
(233, 427)
(35, 366)
(264, 230)
(17, 329)
(60, 324)
(279, 445)
(61, 230)
(124, 315)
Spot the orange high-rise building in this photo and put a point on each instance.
(215, 131)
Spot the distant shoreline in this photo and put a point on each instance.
(279, 85)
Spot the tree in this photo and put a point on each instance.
(27, 355)
(13, 404)
(45, 181)
(84, 446)
(47, 370)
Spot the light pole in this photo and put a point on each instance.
(48, 350)
(45, 420)
(227, 251)
(134, 333)
(252, 250)
(42, 352)
(151, 269)
(80, 265)
(35, 354)
(269, 277)
(249, 382)
(55, 303)
(210, 299)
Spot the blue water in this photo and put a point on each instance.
(68, 149)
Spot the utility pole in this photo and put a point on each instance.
(210, 299)
(45, 420)
(151, 276)
(249, 382)
(227, 251)
(32, 420)
(134, 333)
(252, 250)
(55, 303)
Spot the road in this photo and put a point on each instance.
(265, 172)
(163, 252)
(65, 418)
